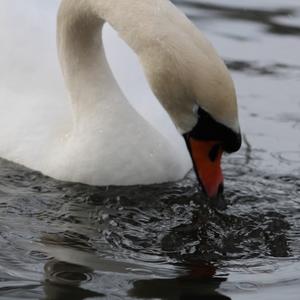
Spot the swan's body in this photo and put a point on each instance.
(106, 141)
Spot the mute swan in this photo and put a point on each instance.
(108, 142)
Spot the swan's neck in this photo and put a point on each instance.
(87, 74)
(181, 66)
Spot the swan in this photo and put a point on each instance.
(106, 141)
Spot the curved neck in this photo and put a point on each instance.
(86, 72)
(181, 66)
(81, 53)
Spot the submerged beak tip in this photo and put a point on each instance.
(215, 191)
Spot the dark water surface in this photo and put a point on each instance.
(70, 241)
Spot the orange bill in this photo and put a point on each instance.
(206, 156)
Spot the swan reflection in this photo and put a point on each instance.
(63, 281)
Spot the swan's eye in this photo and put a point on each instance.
(214, 151)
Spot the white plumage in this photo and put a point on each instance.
(98, 137)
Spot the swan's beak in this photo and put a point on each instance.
(206, 156)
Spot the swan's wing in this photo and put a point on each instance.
(32, 97)
(28, 61)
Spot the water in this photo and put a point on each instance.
(70, 241)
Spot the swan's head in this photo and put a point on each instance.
(206, 142)
(195, 87)
(201, 100)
